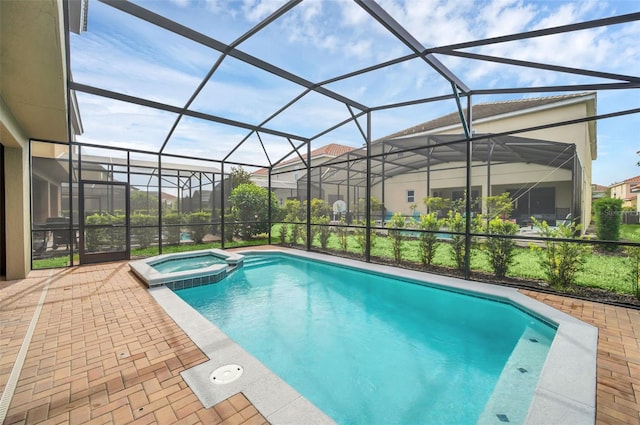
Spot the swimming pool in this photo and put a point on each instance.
(367, 349)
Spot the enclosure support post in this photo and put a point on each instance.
(308, 195)
(159, 203)
(429, 175)
(368, 194)
(383, 211)
(467, 132)
(222, 218)
(269, 207)
(348, 191)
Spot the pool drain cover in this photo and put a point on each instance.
(226, 374)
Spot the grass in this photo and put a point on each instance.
(608, 272)
(64, 260)
(630, 232)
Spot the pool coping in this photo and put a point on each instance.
(566, 390)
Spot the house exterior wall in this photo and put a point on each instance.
(17, 212)
(622, 191)
(503, 176)
(577, 134)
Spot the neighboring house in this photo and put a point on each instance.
(547, 171)
(623, 190)
(635, 190)
(598, 191)
(286, 175)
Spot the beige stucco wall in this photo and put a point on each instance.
(502, 176)
(17, 190)
(17, 215)
(577, 134)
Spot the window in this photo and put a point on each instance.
(411, 196)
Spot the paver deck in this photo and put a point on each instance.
(104, 352)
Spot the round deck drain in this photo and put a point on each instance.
(225, 374)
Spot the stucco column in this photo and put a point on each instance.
(17, 212)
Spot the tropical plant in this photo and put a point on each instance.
(435, 204)
(250, 207)
(360, 236)
(395, 225)
(499, 206)
(501, 250)
(343, 235)
(295, 234)
(560, 260)
(322, 229)
(320, 208)
(456, 222)
(282, 233)
(428, 239)
(239, 176)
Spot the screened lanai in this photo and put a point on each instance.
(177, 101)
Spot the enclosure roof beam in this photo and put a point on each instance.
(162, 22)
(547, 67)
(539, 33)
(164, 107)
(275, 15)
(381, 15)
(562, 88)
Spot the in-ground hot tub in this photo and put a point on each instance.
(186, 269)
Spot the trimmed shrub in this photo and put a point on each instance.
(171, 227)
(395, 225)
(608, 218)
(360, 236)
(198, 224)
(560, 260)
(501, 250)
(144, 235)
(428, 241)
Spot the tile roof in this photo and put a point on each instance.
(485, 110)
(599, 188)
(332, 149)
(635, 179)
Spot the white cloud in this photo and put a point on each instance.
(257, 10)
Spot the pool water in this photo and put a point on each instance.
(366, 348)
(188, 263)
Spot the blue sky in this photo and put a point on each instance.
(319, 40)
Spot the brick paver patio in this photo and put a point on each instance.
(104, 352)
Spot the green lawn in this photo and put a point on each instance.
(630, 232)
(609, 272)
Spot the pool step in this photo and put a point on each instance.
(260, 261)
(511, 397)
